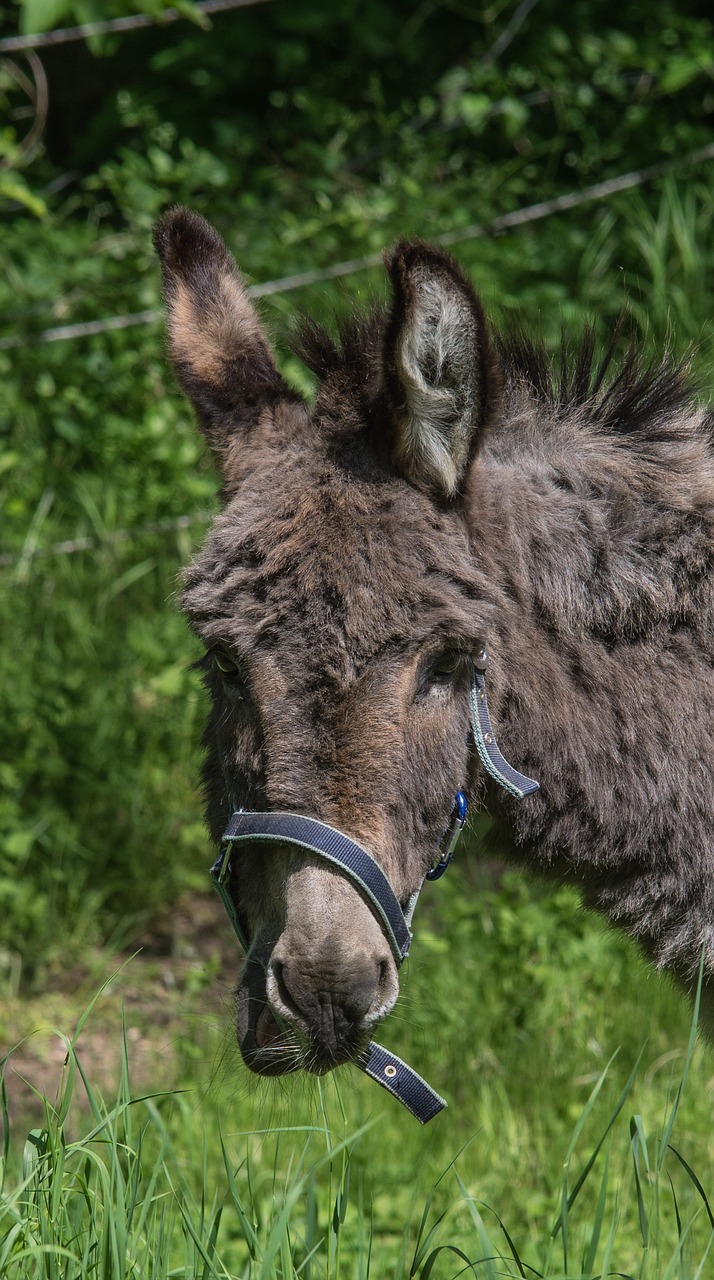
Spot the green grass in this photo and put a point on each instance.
(561, 1155)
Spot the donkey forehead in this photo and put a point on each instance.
(348, 566)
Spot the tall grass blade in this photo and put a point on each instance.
(512, 1247)
(699, 1273)
(82, 1020)
(700, 1189)
(422, 1246)
(664, 1140)
(589, 1261)
(573, 1195)
(447, 1248)
(209, 1270)
(637, 1145)
(66, 1093)
(4, 1103)
(677, 1216)
(491, 1253)
(247, 1225)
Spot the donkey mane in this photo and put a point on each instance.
(622, 392)
(617, 391)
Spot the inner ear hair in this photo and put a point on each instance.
(439, 367)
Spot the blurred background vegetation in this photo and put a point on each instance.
(309, 134)
(313, 134)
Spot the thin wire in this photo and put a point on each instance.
(509, 32)
(86, 329)
(519, 217)
(64, 35)
(299, 280)
(559, 204)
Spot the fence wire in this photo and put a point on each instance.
(284, 284)
(65, 35)
(336, 270)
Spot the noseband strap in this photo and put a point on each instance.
(335, 847)
(360, 867)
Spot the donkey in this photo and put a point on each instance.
(449, 491)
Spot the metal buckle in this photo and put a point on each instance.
(221, 869)
(450, 838)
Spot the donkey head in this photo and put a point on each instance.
(339, 601)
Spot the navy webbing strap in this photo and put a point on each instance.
(517, 784)
(402, 1081)
(333, 846)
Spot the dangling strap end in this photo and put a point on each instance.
(515, 783)
(404, 1084)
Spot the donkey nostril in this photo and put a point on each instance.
(285, 996)
(350, 995)
(387, 988)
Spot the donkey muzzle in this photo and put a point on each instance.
(299, 1021)
(308, 1010)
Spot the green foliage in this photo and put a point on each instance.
(44, 15)
(298, 131)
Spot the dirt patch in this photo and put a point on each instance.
(172, 1001)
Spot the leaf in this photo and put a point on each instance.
(35, 1149)
(474, 109)
(680, 71)
(14, 187)
(42, 15)
(696, 1182)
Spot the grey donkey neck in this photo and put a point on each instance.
(354, 862)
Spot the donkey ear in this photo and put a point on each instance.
(221, 357)
(443, 379)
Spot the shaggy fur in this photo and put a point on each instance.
(448, 490)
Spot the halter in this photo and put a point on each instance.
(354, 862)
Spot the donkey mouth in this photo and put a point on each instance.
(275, 1037)
(269, 1047)
(267, 1031)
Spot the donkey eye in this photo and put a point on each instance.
(230, 671)
(446, 665)
(225, 664)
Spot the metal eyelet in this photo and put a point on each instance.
(481, 659)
